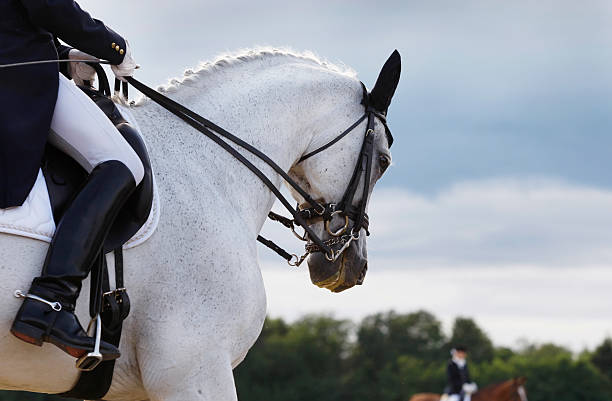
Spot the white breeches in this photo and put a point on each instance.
(80, 129)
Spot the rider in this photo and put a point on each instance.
(459, 387)
(39, 104)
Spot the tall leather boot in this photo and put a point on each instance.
(77, 242)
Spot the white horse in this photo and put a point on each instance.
(198, 300)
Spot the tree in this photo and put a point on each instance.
(466, 332)
(388, 335)
(384, 338)
(301, 361)
(602, 358)
(503, 353)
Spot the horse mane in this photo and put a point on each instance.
(241, 57)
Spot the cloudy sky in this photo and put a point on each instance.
(499, 203)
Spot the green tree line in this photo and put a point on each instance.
(391, 356)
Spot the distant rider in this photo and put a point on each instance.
(39, 104)
(460, 387)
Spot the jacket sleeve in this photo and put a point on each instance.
(65, 19)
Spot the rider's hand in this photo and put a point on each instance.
(127, 67)
(469, 388)
(80, 71)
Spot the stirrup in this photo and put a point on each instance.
(91, 361)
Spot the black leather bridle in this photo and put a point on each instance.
(345, 235)
(342, 238)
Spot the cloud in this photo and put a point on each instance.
(492, 222)
(489, 223)
(569, 307)
(527, 258)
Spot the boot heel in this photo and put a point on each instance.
(27, 333)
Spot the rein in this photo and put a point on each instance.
(300, 216)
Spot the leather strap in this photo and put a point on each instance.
(201, 124)
(333, 141)
(279, 251)
(95, 384)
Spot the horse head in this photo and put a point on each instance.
(342, 178)
(519, 386)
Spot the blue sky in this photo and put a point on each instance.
(501, 183)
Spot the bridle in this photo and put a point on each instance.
(342, 238)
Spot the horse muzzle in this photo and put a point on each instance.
(343, 273)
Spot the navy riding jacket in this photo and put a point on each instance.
(456, 377)
(28, 94)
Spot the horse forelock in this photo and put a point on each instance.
(271, 56)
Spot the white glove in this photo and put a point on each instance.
(470, 388)
(127, 67)
(80, 71)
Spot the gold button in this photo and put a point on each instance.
(113, 45)
(117, 47)
(121, 51)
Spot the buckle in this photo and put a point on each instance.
(116, 308)
(118, 294)
(91, 361)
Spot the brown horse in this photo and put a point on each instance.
(509, 390)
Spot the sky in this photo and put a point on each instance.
(498, 205)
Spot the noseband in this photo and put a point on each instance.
(316, 211)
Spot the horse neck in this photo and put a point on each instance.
(277, 109)
(495, 392)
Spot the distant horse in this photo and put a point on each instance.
(509, 390)
(198, 298)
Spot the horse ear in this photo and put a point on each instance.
(381, 95)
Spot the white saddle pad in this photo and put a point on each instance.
(34, 219)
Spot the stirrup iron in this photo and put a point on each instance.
(91, 361)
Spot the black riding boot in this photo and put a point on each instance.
(77, 242)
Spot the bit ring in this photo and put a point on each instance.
(340, 231)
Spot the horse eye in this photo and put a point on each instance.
(384, 162)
